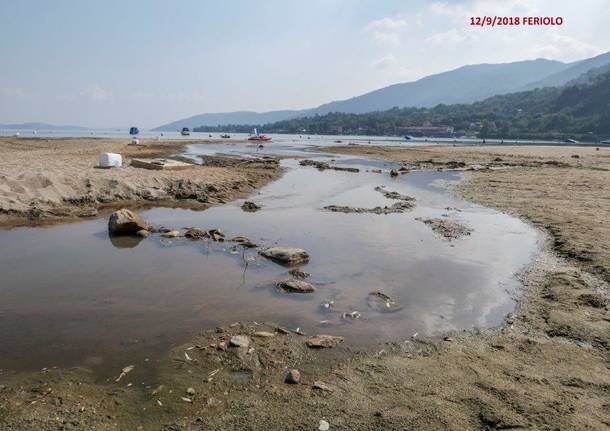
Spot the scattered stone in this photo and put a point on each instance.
(353, 315)
(240, 341)
(296, 286)
(190, 392)
(128, 369)
(394, 173)
(383, 303)
(398, 207)
(448, 339)
(286, 255)
(125, 221)
(142, 233)
(575, 156)
(393, 195)
(322, 386)
(195, 233)
(323, 166)
(324, 426)
(250, 207)
(298, 273)
(324, 341)
(376, 171)
(217, 235)
(455, 164)
(264, 334)
(171, 234)
(243, 241)
(293, 377)
(448, 229)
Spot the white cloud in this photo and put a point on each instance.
(385, 62)
(554, 45)
(95, 93)
(386, 30)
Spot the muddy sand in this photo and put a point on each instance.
(545, 368)
(47, 180)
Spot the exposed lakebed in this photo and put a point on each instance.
(70, 294)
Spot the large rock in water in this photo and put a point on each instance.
(286, 255)
(296, 286)
(125, 221)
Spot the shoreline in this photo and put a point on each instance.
(62, 183)
(545, 367)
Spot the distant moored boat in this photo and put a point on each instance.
(185, 131)
(258, 137)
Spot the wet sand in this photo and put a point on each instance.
(546, 367)
(50, 180)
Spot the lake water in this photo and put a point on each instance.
(70, 294)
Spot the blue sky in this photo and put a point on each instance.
(116, 63)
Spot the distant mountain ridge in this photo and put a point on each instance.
(39, 126)
(466, 84)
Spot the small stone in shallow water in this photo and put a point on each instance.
(250, 207)
(298, 273)
(296, 286)
(171, 234)
(125, 221)
(286, 255)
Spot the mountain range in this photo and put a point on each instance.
(465, 84)
(38, 126)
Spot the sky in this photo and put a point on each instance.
(118, 63)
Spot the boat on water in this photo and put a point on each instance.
(259, 137)
(570, 141)
(185, 131)
(606, 142)
(225, 136)
(407, 137)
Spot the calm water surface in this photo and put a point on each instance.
(70, 294)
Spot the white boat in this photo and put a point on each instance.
(185, 131)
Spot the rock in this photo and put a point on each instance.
(216, 235)
(171, 234)
(250, 207)
(324, 341)
(240, 341)
(353, 315)
(323, 426)
(322, 386)
(394, 173)
(448, 229)
(296, 286)
(286, 255)
(243, 241)
(190, 392)
(142, 233)
(293, 377)
(264, 334)
(125, 221)
(382, 303)
(298, 273)
(195, 233)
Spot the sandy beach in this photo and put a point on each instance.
(546, 367)
(50, 180)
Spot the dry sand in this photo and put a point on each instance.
(45, 180)
(545, 368)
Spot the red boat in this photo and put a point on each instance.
(259, 138)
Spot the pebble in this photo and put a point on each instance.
(293, 377)
(239, 341)
(264, 334)
(324, 426)
(190, 392)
